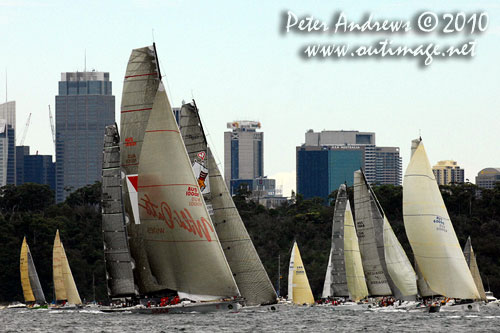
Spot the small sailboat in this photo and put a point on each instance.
(32, 289)
(431, 233)
(66, 293)
(345, 276)
(470, 258)
(249, 273)
(386, 266)
(299, 290)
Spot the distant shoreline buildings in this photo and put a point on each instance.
(448, 172)
(328, 159)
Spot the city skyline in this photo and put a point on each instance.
(241, 66)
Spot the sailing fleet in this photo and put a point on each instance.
(172, 232)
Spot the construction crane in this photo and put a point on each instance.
(52, 127)
(25, 130)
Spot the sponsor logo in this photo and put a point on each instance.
(202, 155)
(192, 192)
(439, 223)
(129, 142)
(177, 219)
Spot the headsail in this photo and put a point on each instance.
(430, 231)
(470, 258)
(299, 290)
(183, 249)
(64, 284)
(246, 266)
(140, 85)
(32, 288)
(119, 273)
(327, 285)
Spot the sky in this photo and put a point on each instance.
(236, 60)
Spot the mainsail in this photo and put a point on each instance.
(64, 284)
(430, 231)
(119, 273)
(299, 291)
(182, 247)
(142, 78)
(470, 258)
(32, 289)
(246, 266)
(384, 261)
(347, 278)
(370, 231)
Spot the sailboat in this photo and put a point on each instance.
(299, 290)
(470, 258)
(32, 289)
(344, 276)
(173, 245)
(65, 289)
(387, 268)
(430, 231)
(246, 266)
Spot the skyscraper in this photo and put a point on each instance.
(36, 168)
(488, 178)
(448, 172)
(329, 158)
(243, 153)
(8, 113)
(84, 106)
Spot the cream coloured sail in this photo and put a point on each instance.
(470, 258)
(183, 249)
(430, 231)
(423, 287)
(246, 266)
(356, 282)
(64, 284)
(299, 291)
(398, 265)
(140, 85)
(32, 288)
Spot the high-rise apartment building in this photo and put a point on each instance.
(8, 114)
(243, 152)
(488, 178)
(329, 158)
(448, 172)
(84, 107)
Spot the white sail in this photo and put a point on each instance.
(370, 229)
(431, 234)
(423, 287)
(299, 290)
(183, 249)
(327, 286)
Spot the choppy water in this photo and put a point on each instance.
(288, 319)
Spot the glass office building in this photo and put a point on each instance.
(84, 107)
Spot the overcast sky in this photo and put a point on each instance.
(233, 57)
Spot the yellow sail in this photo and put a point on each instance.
(64, 284)
(356, 282)
(430, 231)
(299, 290)
(25, 280)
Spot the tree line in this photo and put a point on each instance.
(29, 210)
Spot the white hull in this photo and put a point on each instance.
(470, 307)
(352, 307)
(207, 307)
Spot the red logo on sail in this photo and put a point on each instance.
(202, 155)
(173, 218)
(129, 142)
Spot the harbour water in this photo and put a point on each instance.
(287, 319)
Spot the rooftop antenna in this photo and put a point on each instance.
(85, 60)
(6, 85)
